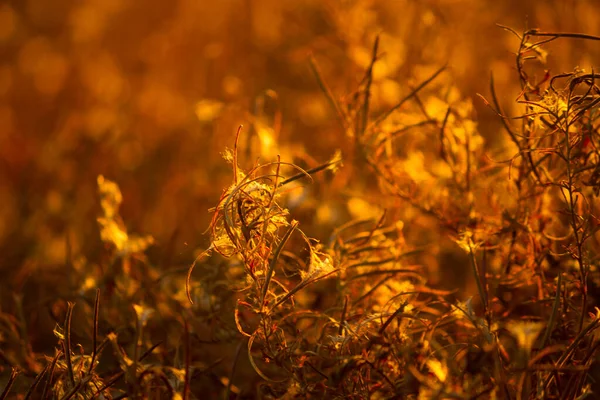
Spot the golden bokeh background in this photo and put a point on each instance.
(149, 93)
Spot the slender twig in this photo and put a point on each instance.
(51, 374)
(67, 342)
(95, 332)
(364, 114)
(274, 259)
(554, 314)
(36, 382)
(535, 32)
(11, 380)
(328, 93)
(416, 90)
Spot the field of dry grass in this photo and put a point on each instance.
(301, 199)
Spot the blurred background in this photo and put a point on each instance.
(149, 94)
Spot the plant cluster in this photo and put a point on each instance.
(267, 311)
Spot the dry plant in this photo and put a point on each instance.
(268, 312)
